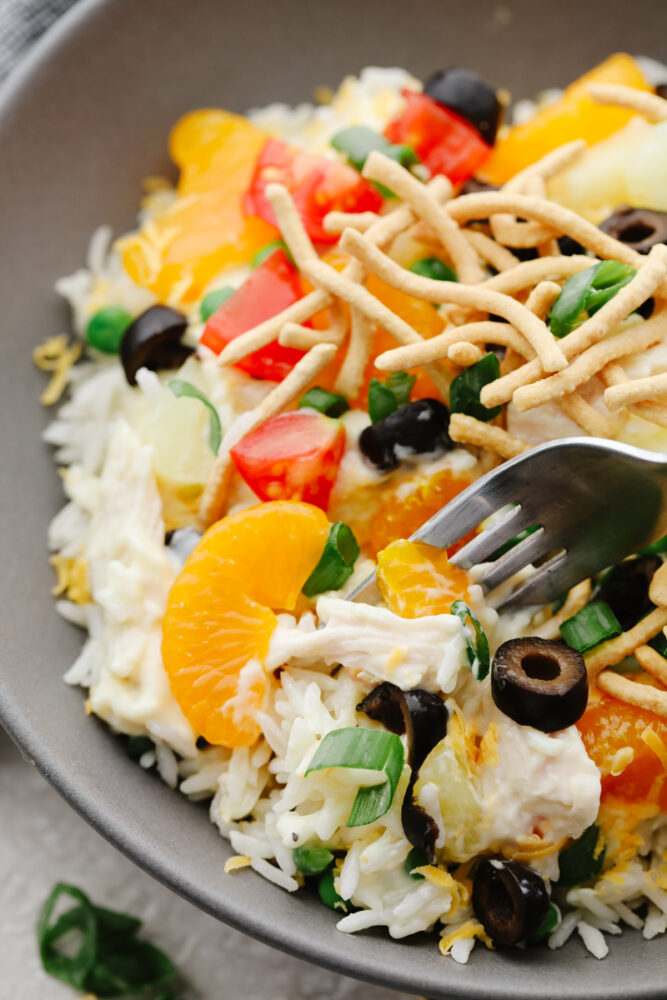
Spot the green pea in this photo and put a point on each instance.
(212, 302)
(106, 328)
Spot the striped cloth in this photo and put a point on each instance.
(21, 23)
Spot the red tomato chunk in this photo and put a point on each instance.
(272, 287)
(444, 141)
(318, 186)
(293, 456)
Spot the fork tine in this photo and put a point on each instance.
(522, 554)
(482, 547)
(555, 577)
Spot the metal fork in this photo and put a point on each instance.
(590, 502)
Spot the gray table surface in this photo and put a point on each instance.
(42, 841)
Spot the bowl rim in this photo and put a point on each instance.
(16, 722)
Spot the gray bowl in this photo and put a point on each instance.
(84, 119)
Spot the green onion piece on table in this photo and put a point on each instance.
(465, 389)
(106, 958)
(336, 564)
(581, 861)
(587, 292)
(385, 397)
(106, 328)
(212, 302)
(371, 750)
(478, 652)
(312, 859)
(592, 625)
(331, 404)
(433, 267)
(265, 252)
(180, 387)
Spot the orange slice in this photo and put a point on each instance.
(417, 580)
(220, 613)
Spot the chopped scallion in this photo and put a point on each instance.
(336, 564)
(329, 403)
(592, 625)
(370, 750)
(659, 644)
(312, 859)
(465, 389)
(587, 292)
(513, 541)
(478, 652)
(655, 548)
(581, 861)
(328, 895)
(180, 387)
(265, 252)
(359, 141)
(433, 267)
(212, 302)
(415, 859)
(548, 925)
(108, 959)
(385, 397)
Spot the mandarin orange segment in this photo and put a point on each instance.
(205, 229)
(609, 726)
(417, 580)
(220, 613)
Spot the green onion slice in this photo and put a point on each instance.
(180, 387)
(587, 292)
(372, 750)
(548, 925)
(433, 267)
(212, 302)
(328, 895)
(478, 652)
(137, 746)
(465, 390)
(312, 859)
(506, 546)
(110, 961)
(581, 861)
(329, 403)
(657, 548)
(592, 625)
(265, 252)
(415, 859)
(359, 141)
(385, 397)
(336, 564)
(659, 644)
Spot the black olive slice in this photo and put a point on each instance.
(661, 90)
(540, 683)
(509, 899)
(569, 247)
(153, 340)
(638, 228)
(475, 186)
(468, 95)
(625, 589)
(423, 717)
(417, 428)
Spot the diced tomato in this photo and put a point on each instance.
(272, 287)
(317, 184)
(609, 725)
(293, 456)
(444, 141)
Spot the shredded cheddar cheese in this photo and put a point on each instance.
(471, 929)
(56, 356)
(236, 862)
(72, 579)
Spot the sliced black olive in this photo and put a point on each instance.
(539, 682)
(661, 90)
(468, 95)
(509, 899)
(423, 717)
(569, 247)
(416, 428)
(153, 340)
(625, 589)
(421, 714)
(474, 186)
(638, 228)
